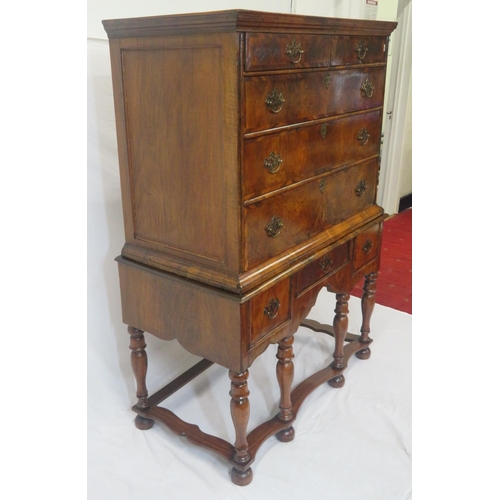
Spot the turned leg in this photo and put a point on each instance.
(367, 305)
(240, 413)
(340, 323)
(139, 360)
(284, 374)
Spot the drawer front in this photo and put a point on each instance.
(321, 267)
(357, 50)
(292, 217)
(277, 100)
(269, 51)
(366, 247)
(269, 309)
(275, 160)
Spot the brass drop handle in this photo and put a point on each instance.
(271, 310)
(294, 51)
(326, 263)
(361, 49)
(363, 136)
(274, 101)
(367, 246)
(273, 162)
(360, 188)
(273, 227)
(367, 88)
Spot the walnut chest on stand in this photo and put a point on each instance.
(249, 150)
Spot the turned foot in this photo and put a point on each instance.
(286, 435)
(240, 413)
(241, 478)
(337, 382)
(143, 423)
(364, 354)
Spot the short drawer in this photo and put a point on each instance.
(268, 310)
(270, 51)
(291, 217)
(321, 267)
(366, 247)
(277, 100)
(275, 160)
(357, 50)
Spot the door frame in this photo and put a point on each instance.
(397, 105)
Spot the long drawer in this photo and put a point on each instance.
(277, 100)
(289, 218)
(282, 158)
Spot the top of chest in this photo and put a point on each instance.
(243, 20)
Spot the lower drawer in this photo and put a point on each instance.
(268, 310)
(321, 267)
(287, 219)
(366, 247)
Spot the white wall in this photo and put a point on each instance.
(116, 9)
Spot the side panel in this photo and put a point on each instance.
(179, 107)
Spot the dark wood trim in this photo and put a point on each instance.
(404, 203)
(179, 382)
(317, 327)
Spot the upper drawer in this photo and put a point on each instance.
(276, 100)
(284, 220)
(357, 50)
(269, 51)
(282, 158)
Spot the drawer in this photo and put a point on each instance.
(321, 267)
(275, 160)
(277, 100)
(268, 310)
(270, 51)
(366, 247)
(291, 217)
(357, 50)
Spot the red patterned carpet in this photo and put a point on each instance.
(394, 283)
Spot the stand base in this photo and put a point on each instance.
(283, 431)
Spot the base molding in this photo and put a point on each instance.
(404, 203)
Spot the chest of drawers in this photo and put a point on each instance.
(249, 155)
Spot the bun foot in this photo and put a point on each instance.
(241, 478)
(364, 354)
(143, 423)
(286, 435)
(337, 382)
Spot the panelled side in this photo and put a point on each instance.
(179, 113)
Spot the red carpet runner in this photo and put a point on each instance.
(394, 283)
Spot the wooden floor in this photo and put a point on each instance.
(394, 283)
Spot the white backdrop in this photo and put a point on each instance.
(351, 443)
